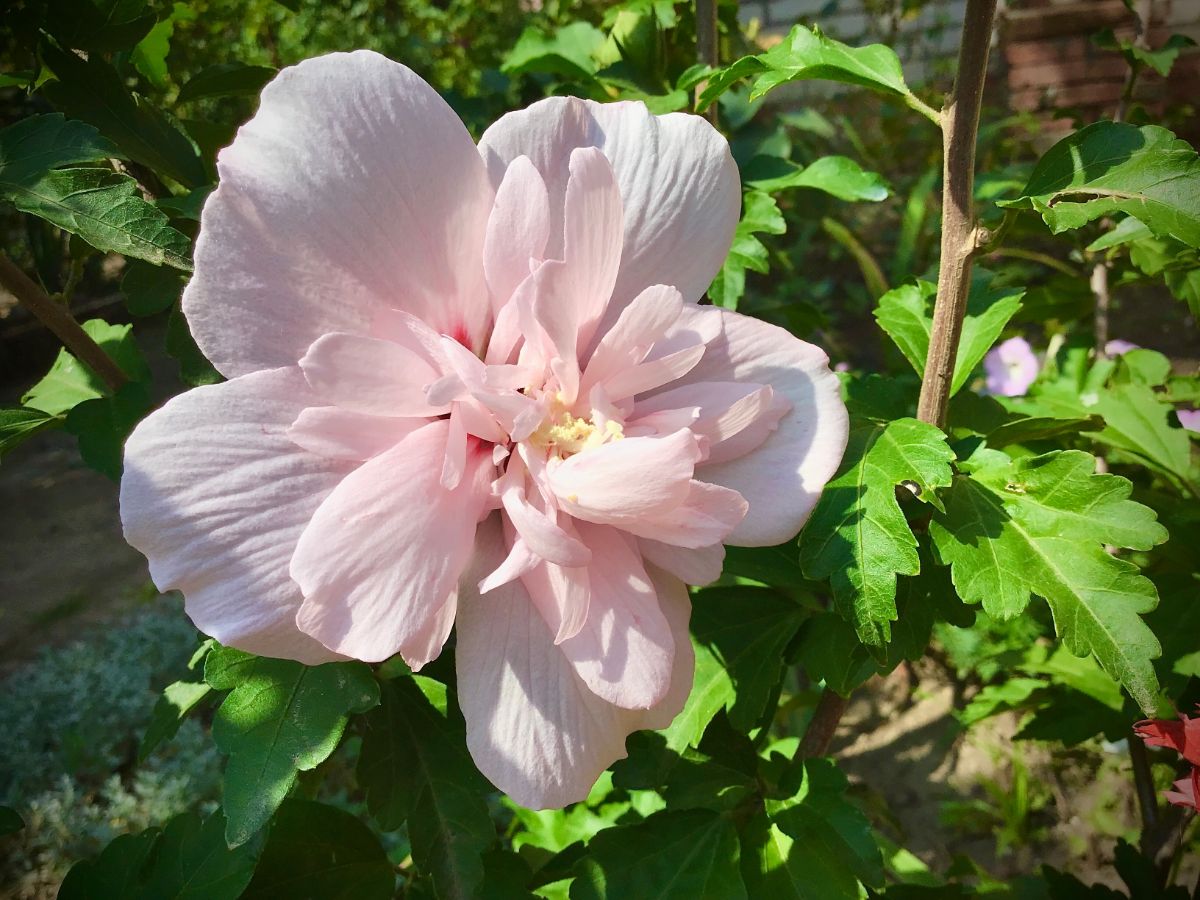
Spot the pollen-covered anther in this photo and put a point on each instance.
(564, 434)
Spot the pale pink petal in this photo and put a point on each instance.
(426, 645)
(624, 650)
(342, 434)
(386, 548)
(653, 373)
(623, 480)
(354, 188)
(639, 325)
(537, 527)
(369, 375)
(562, 595)
(782, 479)
(679, 185)
(676, 605)
(571, 295)
(707, 516)
(699, 567)
(533, 727)
(735, 417)
(216, 494)
(517, 230)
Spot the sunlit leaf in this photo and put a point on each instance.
(858, 536)
(1112, 167)
(1015, 528)
(280, 718)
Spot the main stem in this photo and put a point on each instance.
(55, 316)
(961, 239)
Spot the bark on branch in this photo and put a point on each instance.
(960, 236)
(56, 317)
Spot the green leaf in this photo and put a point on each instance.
(414, 766)
(17, 423)
(98, 25)
(831, 653)
(996, 698)
(1138, 423)
(150, 55)
(69, 382)
(280, 718)
(107, 210)
(103, 423)
(321, 852)
(858, 535)
(739, 634)
(569, 52)
(689, 855)
(150, 289)
(188, 860)
(93, 91)
(1039, 526)
(1161, 60)
(114, 873)
(1112, 167)
(805, 55)
(906, 314)
(232, 79)
(815, 845)
(177, 700)
(194, 368)
(837, 175)
(760, 215)
(37, 144)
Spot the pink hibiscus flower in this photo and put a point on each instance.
(1011, 367)
(472, 388)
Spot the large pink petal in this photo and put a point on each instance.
(708, 515)
(341, 434)
(369, 375)
(354, 188)
(533, 727)
(385, 550)
(782, 479)
(639, 325)
(517, 230)
(734, 417)
(699, 567)
(216, 495)
(620, 481)
(624, 650)
(679, 184)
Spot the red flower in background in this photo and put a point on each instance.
(1182, 736)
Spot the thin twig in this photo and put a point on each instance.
(57, 318)
(708, 51)
(961, 238)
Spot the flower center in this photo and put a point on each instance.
(564, 434)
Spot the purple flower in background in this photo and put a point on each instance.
(842, 367)
(1189, 418)
(1011, 368)
(1117, 347)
